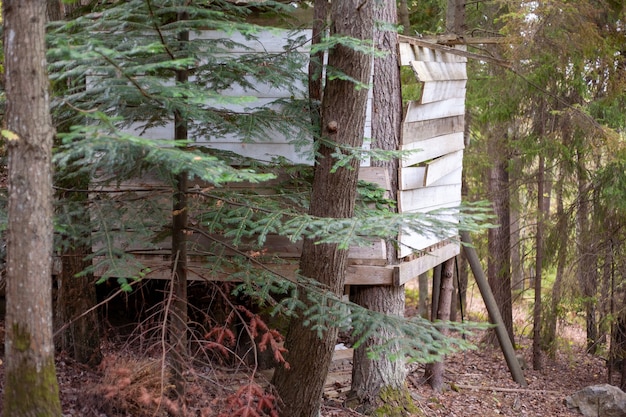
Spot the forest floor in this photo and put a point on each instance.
(478, 383)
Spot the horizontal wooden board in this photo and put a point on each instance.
(420, 199)
(197, 271)
(425, 150)
(266, 41)
(426, 129)
(414, 177)
(439, 71)
(442, 90)
(264, 90)
(377, 175)
(410, 270)
(417, 112)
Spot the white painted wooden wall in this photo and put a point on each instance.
(276, 144)
(433, 128)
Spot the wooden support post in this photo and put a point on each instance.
(494, 312)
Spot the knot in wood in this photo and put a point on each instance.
(332, 126)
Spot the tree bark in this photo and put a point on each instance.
(177, 317)
(498, 266)
(422, 307)
(370, 377)
(333, 195)
(434, 371)
(537, 362)
(403, 17)
(30, 387)
(586, 261)
(562, 224)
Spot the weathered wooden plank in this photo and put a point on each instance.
(415, 177)
(420, 199)
(267, 41)
(377, 175)
(437, 110)
(442, 90)
(198, 271)
(439, 71)
(459, 50)
(432, 148)
(410, 270)
(410, 242)
(426, 129)
(406, 53)
(413, 52)
(442, 166)
(411, 177)
(431, 54)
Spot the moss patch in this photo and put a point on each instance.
(396, 403)
(30, 391)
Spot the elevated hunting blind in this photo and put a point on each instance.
(429, 177)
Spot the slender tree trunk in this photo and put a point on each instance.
(517, 272)
(178, 315)
(422, 307)
(498, 266)
(403, 17)
(562, 224)
(434, 371)
(537, 362)
(333, 195)
(586, 267)
(435, 292)
(30, 387)
(370, 377)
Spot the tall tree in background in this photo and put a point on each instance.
(30, 387)
(371, 376)
(333, 195)
(76, 321)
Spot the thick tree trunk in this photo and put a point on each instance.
(30, 387)
(498, 266)
(333, 195)
(371, 377)
(434, 371)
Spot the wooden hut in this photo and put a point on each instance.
(428, 179)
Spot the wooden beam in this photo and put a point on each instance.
(160, 268)
(410, 270)
(494, 312)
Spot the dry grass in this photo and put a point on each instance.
(133, 386)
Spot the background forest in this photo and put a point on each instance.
(544, 124)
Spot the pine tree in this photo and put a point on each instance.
(30, 386)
